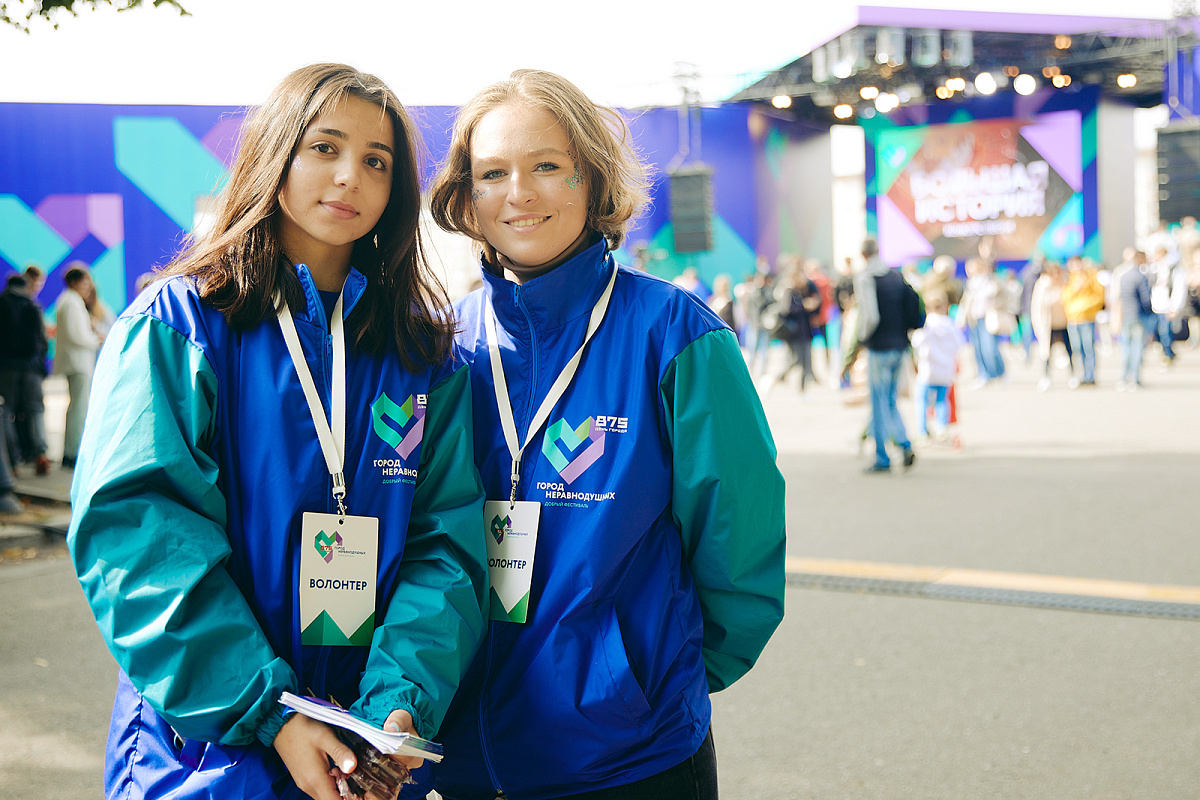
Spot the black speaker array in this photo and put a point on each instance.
(1178, 172)
(692, 209)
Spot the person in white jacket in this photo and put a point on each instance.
(936, 347)
(75, 349)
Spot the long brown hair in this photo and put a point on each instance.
(239, 265)
(616, 179)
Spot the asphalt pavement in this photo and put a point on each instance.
(874, 686)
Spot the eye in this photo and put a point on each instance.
(491, 175)
(375, 162)
(324, 148)
(546, 166)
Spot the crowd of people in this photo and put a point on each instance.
(1059, 318)
(82, 320)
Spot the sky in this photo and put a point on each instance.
(438, 52)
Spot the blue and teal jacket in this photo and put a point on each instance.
(659, 569)
(199, 459)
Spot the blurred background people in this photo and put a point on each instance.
(1050, 320)
(757, 296)
(22, 368)
(1168, 300)
(10, 504)
(815, 270)
(1083, 300)
(888, 309)
(935, 345)
(798, 300)
(1028, 278)
(1132, 311)
(75, 353)
(983, 295)
(721, 300)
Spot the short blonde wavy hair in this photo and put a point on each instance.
(617, 180)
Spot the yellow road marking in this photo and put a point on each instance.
(988, 579)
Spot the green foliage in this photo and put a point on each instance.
(20, 13)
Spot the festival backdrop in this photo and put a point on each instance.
(120, 187)
(1016, 174)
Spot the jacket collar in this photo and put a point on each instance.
(551, 300)
(314, 311)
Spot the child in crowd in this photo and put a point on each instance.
(936, 347)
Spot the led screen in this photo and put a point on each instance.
(948, 188)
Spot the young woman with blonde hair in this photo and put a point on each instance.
(635, 513)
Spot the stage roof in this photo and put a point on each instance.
(962, 44)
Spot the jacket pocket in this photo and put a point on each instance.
(621, 671)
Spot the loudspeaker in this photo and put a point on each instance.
(1178, 172)
(691, 209)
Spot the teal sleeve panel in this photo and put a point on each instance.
(148, 542)
(728, 500)
(438, 614)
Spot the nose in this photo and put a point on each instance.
(348, 173)
(521, 188)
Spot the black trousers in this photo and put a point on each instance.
(694, 778)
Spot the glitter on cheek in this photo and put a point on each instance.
(477, 194)
(576, 179)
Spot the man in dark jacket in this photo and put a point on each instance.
(889, 309)
(22, 369)
(1135, 311)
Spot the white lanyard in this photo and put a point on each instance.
(332, 437)
(504, 404)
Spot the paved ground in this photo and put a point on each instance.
(861, 694)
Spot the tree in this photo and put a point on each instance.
(19, 18)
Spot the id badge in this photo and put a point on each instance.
(511, 541)
(339, 559)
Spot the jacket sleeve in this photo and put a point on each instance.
(868, 304)
(438, 614)
(149, 544)
(728, 501)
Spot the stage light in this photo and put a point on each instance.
(926, 47)
(1060, 81)
(985, 83)
(781, 101)
(1062, 42)
(1025, 84)
(943, 93)
(1127, 81)
(886, 102)
(889, 46)
(843, 111)
(1011, 71)
(961, 48)
(868, 92)
(1050, 72)
(956, 84)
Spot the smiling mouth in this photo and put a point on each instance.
(525, 223)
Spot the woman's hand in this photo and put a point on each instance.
(306, 745)
(401, 722)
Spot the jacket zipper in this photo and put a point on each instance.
(326, 370)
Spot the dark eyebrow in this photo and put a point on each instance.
(374, 145)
